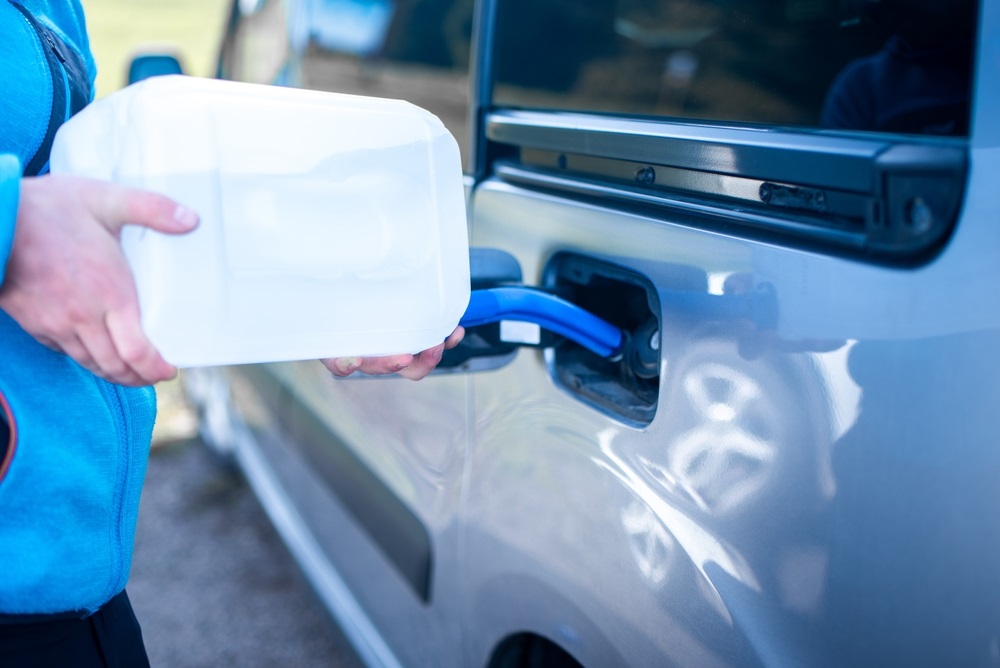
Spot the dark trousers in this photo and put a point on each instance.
(110, 638)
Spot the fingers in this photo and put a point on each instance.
(113, 346)
(133, 349)
(413, 367)
(119, 206)
(423, 363)
(342, 366)
(122, 350)
(378, 366)
(68, 283)
(96, 352)
(118, 352)
(454, 338)
(373, 366)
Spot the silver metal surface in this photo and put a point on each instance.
(815, 491)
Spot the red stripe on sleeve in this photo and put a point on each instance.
(11, 445)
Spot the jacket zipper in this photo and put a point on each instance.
(119, 413)
(36, 164)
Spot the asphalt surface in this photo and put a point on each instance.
(212, 584)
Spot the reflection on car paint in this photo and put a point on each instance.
(721, 462)
(693, 537)
(652, 545)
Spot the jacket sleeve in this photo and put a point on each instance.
(10, 190)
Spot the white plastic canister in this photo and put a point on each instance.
(331, 225)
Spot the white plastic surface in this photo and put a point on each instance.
(331, 225)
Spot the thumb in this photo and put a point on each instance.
(127, 206)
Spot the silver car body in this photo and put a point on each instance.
(816, 486)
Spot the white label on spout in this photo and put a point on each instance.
(512, 331)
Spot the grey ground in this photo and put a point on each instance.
(212, 584)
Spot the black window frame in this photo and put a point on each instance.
(886, 198)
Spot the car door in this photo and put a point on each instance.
(785, 207)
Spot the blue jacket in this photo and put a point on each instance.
(70, 483)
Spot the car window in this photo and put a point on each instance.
(255, 47)
(900, 66)
(416, 50)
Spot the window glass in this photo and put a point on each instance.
(882, 65)
(255, 49)
(415, 50)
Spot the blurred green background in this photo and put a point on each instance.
(118, 28)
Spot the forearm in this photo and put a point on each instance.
(10, 188)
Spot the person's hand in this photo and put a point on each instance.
(409, 366)
(68, 283)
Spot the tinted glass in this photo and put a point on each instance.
(883, 65)
(415, 50)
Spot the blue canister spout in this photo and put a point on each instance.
(548, 311)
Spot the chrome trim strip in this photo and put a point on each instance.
(724, 215)
(805, 158)
(830, 204)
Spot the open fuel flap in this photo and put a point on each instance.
(598, 322)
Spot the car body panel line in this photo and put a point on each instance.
(329, 586)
